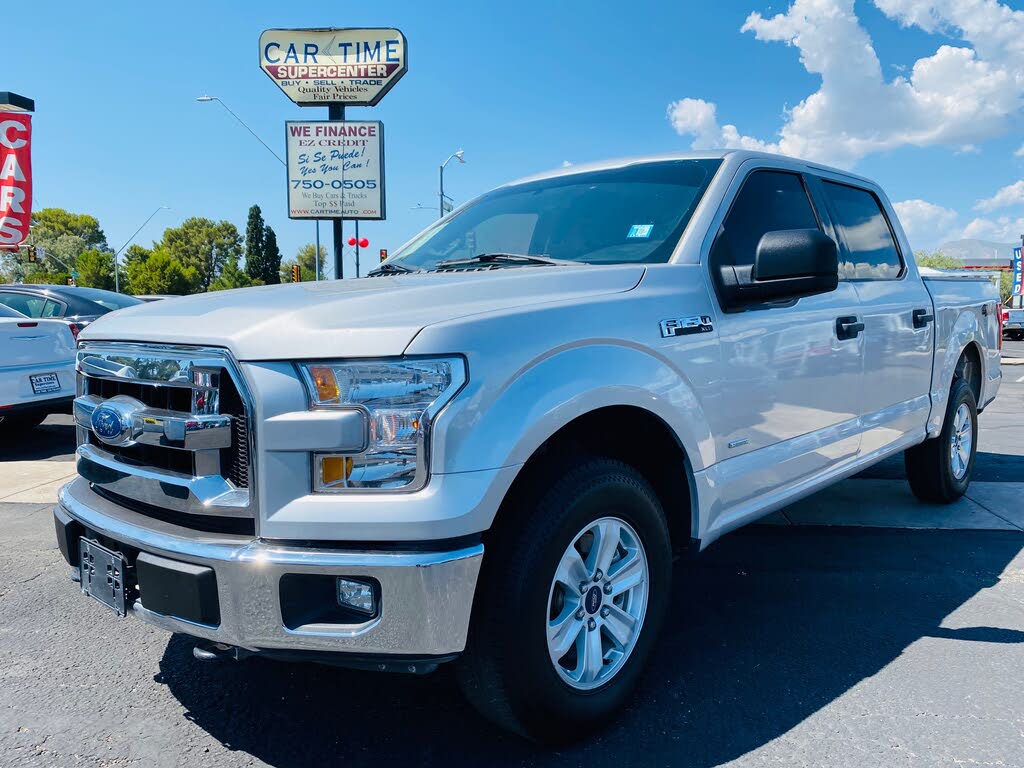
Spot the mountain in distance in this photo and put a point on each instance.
(981, 253)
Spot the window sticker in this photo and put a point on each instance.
(640, 230)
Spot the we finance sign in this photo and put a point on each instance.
(317, 67)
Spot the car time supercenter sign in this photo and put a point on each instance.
(317, 67)
(335, 169)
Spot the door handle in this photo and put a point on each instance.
(848, 327)
(922, 317)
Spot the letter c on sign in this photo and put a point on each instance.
(6, 140)
(266, 52)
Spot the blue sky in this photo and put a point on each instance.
(522, 88)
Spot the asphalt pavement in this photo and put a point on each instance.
(862, 629)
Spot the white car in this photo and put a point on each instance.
(487, 452)
(37, 369)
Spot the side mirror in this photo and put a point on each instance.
(788, 264)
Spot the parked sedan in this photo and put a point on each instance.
(78, 305)
(37, 369)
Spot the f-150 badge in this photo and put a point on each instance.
(683, 326)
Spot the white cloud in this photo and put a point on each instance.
(1005, 229)
(926, 223)
(1011, 194)
(957, 97)
(1019, 152)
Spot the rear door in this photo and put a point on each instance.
(897, 314)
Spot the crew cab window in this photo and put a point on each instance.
(869, 251)
(769, 201)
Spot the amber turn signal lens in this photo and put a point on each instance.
(335, 470)
(326, 384)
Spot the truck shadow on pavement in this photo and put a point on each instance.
(54, 440)
(765, 629)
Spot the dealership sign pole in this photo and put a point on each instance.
(335, 168)
(1018, 273)
(15, 168)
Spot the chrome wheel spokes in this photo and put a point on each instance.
(961, 441)
(597, 602)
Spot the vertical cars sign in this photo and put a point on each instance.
(15, 177)
(1018, 273)
(335, 169)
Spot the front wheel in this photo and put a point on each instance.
(939, 469)
(572, 598)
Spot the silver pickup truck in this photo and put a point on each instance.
(488, 452)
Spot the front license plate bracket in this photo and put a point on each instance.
(103, 575)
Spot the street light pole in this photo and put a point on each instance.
(206, 98)
(117, 281)
(440, 175)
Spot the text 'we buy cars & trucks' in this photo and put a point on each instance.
(487, 453)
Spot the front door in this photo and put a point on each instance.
(791, 388)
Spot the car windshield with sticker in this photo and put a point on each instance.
(628, 215)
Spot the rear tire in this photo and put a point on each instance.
(535, 598)
(939, 469)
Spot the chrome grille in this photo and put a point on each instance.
(165, 429)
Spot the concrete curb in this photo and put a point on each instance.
(1013, 361)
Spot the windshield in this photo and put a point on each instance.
(631, 215)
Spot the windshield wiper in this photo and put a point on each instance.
(392, 268)
(524, 259)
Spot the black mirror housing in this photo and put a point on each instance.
(788, 264)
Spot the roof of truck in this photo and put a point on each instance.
(735, 155)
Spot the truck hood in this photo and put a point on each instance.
(371, 317)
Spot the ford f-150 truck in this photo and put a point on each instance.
(488, 451)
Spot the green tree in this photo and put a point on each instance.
(271, 257)
(255, 244)
(1005, 286)
(51, 223)
(204, 247)
(160, 273)
(304, 258)
(233, 277)
(937, 260)
(95, 269)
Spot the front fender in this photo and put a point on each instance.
(490, 426)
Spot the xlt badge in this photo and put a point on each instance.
(682, 326)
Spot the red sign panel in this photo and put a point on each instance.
(15, 177)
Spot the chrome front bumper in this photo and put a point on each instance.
(425, 597)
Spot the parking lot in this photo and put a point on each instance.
(857, 628)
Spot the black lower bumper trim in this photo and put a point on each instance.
(415, 665)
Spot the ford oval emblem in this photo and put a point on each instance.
(106, 423)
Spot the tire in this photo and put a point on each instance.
(507, 671)
(935, 473)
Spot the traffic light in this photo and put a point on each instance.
(383, 254)
(71, 281)
(296, 273)
(32, 255)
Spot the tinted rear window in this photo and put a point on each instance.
(870, 251)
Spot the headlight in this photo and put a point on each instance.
(400, 398)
